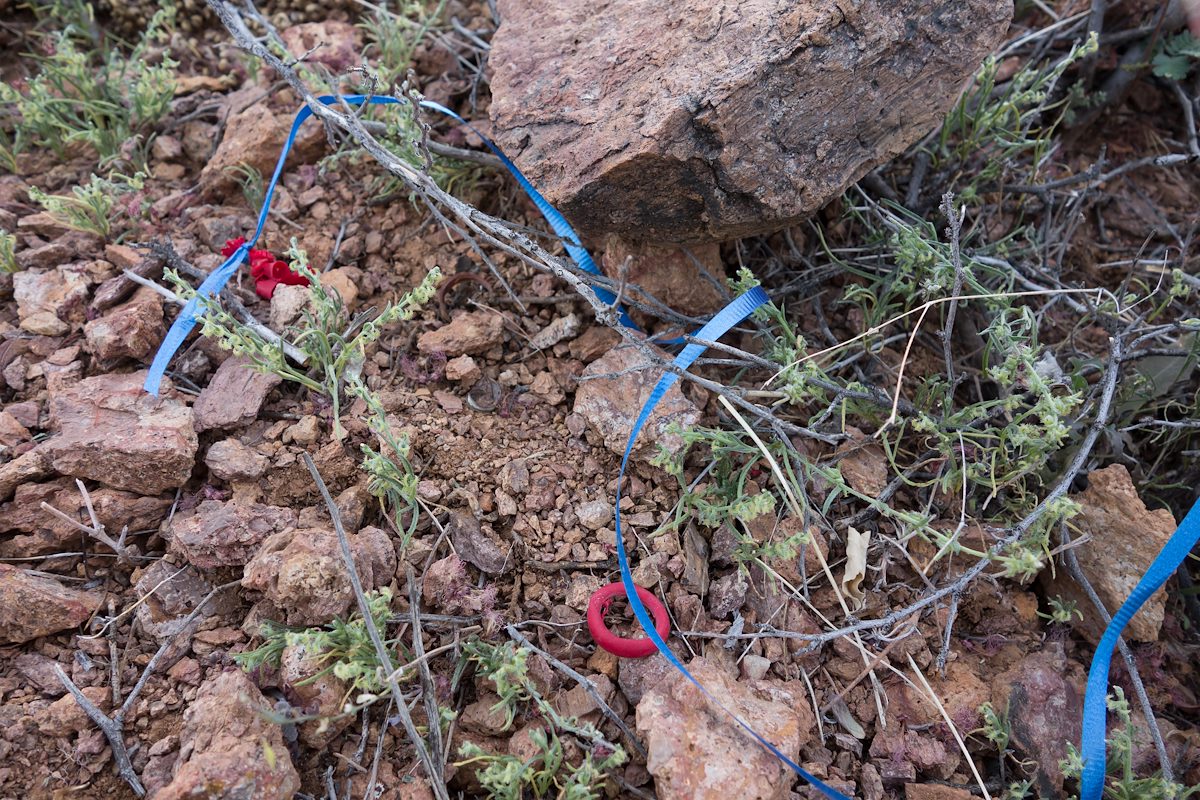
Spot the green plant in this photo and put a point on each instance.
(8, 258)
(994, 128)
(92, 94)
(334, 342)
(1176, 56)
(1061, 611)
(548, 773)
(1122, 783)
(393, 480)
(252, 184)
(393, 35)
(94, 206)
(343, 646)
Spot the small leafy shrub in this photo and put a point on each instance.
(87, 93)
(548, 773)
(1122, 783)
(343, 646)
(96, 205)
(1176, 57)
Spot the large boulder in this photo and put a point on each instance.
(692, 121)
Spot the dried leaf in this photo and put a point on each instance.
(856, 566)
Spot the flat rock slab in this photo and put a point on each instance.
(234, 395)
(112, 431)
(34, 605)
(692, 121)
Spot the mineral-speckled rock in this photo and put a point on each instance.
(302, 572)
(226, 534)
(698, 752)
(691, 121)
(611, 404)
(228, 748)
(112, 431)
(1125, 536)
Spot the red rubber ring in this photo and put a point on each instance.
(606, 639)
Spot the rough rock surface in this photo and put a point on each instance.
(226, 534)
(113, 432)
(230, 460)
(302, 572)
(234, 395)
(254, 137)
(698, 752)
(1043, 694)
(611, 405)
(316, 691)
(476, 547)
(1125, 536)
(707, 121)
(468, 333)
(131, 330)
(30, 531)
(47, 300)
(685, 277)
(33, 606)
(224, 744)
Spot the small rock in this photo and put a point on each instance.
(186, 671)
(486, 715)
(1125, 538)
(226, 534)
(131, 330)
(230, 460)
(167, 594)
(577, 702)
(26, 413)
(43, 223)
(580, 592)
(233, 396)
(33, 532)
(474, 546)
(334, 44)
(470, 332)
(50, 302)
(33, 605)
(287, 303)
(305, 432)
(112, 431)
(611, 404)
(302, 572)
(228, 748)
(32, 466)
(38, 670)
(595, 514)
(1043, 695)
(727, 594)
(65, 716)
(340, 281)
(697, 751)
(672, 274)
(12, 432)
(754, 668)
(593, 343)
(566, 327)
(462, 370)
(318, 692)
(254, 136)
(636, 676)
(863, 464)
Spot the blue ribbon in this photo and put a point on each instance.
(216, 280)
(1095, 702)
(731, 315)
